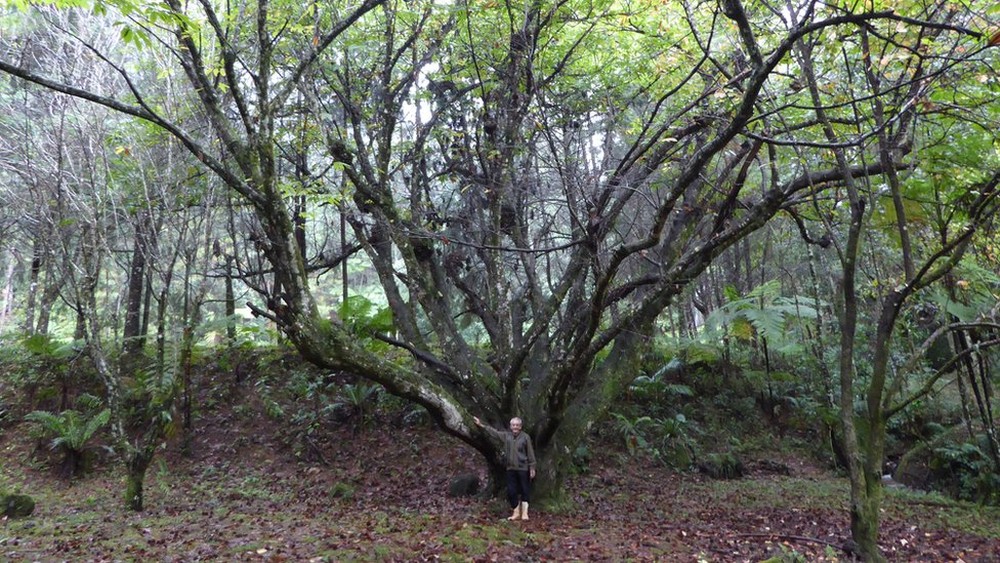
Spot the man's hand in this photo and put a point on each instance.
(476, 420)
(531, 472)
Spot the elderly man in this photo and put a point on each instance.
(520, 457)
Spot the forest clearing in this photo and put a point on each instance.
(379, 492)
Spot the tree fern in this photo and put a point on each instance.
(71, 431)
(763, 313)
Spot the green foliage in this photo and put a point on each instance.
(266, 392)
(687, 354)
(155, 387)
(357, 399)
(43, 345)
(364, 317)
(764, 314)
(312, 399)
(581, 459)
(668, 440)
(342, 490)
(632, 431)
(70, 431)
(975, 294)
(924, 420)
(149, 397)
(16, 506)
(35, 360)
(966, 472)
(252, 335)
(654, 389)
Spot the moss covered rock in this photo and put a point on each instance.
(466, 485)
(722, 466)
(17, 506)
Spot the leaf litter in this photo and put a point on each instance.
(252, 500)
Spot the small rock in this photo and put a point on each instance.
(465, 485)
(17, 506)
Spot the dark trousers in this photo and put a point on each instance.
(518, 487)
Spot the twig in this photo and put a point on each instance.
(791, 538)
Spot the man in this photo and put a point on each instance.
(520, 458)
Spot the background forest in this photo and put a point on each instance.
(654, 218)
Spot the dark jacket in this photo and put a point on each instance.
(518, 452)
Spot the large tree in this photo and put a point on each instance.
(932, 221)
(533, 182)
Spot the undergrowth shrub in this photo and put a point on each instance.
(965, 471)
(71, 432)
(43, 372)
(668, 440)
(312, 408)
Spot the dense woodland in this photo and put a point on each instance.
(580, 212)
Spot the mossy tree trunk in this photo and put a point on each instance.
(136, 464)
(866, 494)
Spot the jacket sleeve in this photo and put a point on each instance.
(531, 454)
(493, 432)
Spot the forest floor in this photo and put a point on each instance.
(380, 495)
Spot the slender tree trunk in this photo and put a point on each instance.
(53, 284)
(991, 433)
(343, 249)
(299, 216)
(862, 451)
(191, 315)
(230, 300)
(981, 392)
(34, 274)
(963, 393)
(7, 304)
(131, 333)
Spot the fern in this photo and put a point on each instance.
(357, 398)
(765, 314)
(70, 430)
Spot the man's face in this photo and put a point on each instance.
(515, 426)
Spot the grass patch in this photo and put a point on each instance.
(935, 511)
(781, 494)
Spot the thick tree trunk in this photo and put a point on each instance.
(865, 524)
(137, 464)
(867, 500)
(548, 489)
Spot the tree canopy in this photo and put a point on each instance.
(533, 184)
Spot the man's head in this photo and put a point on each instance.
(515, 425)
